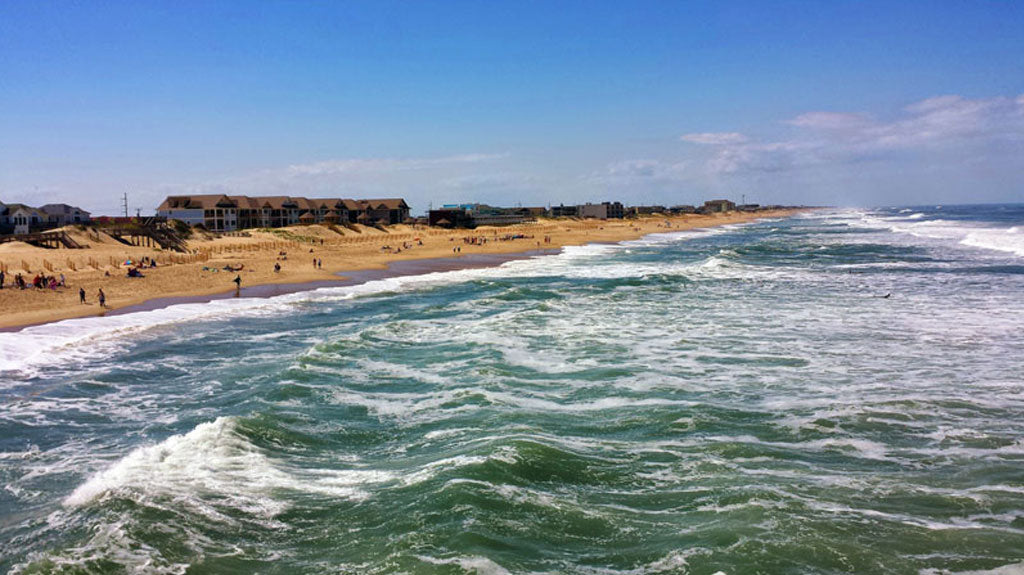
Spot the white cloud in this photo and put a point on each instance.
(714, 138)
(630, 171)
(830, 121)
(945, 128)
(381, 165)
(490, 181)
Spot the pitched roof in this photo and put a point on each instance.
(61, 209)
(209, 201)
(196, 202)
(388, 203)
(246, 202)
(276, 202)
(28, 210)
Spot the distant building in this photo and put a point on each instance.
(223, 213)
(615, 210)
(682, 209)
(593, 211)
(563, 211)
(717, 206)
(455, 217)
(602, 211)
(473, 215)
(646, 210)
(60, 215)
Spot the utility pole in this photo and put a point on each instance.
(743, 202)
(124, 204)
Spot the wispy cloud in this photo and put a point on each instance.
(491, 181)
(384, 165)
(714, 138)
(640, 170)
(411, 177)
(935, 126)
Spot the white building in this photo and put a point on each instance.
(216, 212)
(25, 219)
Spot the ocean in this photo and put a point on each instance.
(837, 392)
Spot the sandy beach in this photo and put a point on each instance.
(308, 256)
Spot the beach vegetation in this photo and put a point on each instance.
(290, 236)
(181, 228)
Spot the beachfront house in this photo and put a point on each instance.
(284, 211)
(251, 213)
(22, 219)
(386, 211)
(60, 215)
(215, 212)
(222, 213)
(26, 219)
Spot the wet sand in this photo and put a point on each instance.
(348, 278)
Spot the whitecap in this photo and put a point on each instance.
(213, 470)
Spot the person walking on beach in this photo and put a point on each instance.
(81, 295)
(277, 267)
(103, 298)
(238, 282)
(2, 278)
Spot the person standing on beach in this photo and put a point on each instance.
(103, 298)
(81, 295)
(2, 278)
(238, 282)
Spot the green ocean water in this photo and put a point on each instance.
(742, 400)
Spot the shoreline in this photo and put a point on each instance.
(346, 278)
(371, 266)
(401, 268)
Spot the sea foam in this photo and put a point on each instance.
(214, 470)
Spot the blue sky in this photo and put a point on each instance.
(847, 103)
